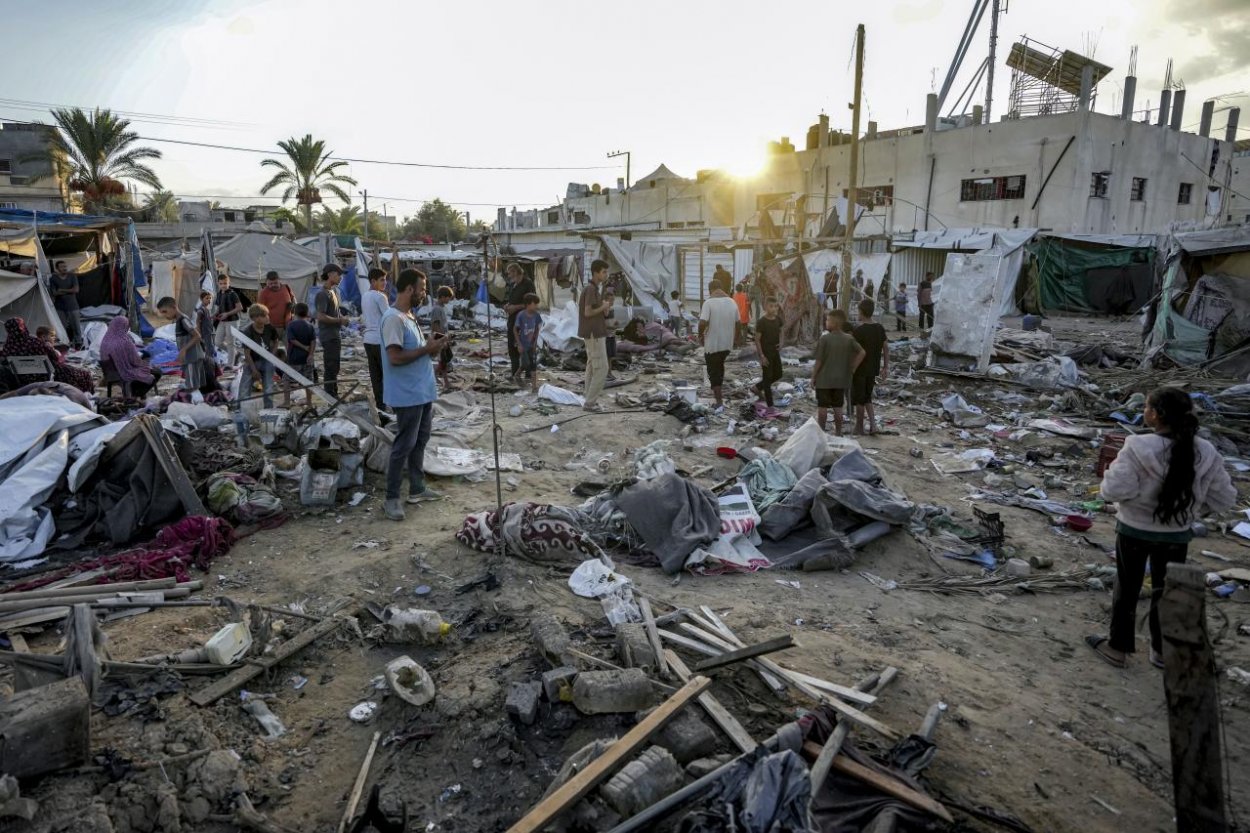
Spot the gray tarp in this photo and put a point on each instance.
(26, 297)
(252, 253)
(672, 515)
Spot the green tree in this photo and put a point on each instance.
(436, 220)
(161, 207)
(91, 153)
(295, 218)
(347, 220)
(304, 172)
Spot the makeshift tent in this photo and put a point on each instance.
(1107, 273)
(27, 297)
(175, 279)
(92, 248)
(790, 284)
(650, 268)
(1003, 243)
(252, 253)
(1202, 311)
(875, 266)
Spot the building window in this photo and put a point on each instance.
(1099, 182)
(553, 218)
(228, 216)
(8, 205)
(992, 188)
(1138, 192)
(6, 166)
(1186, 194)
(581, 217)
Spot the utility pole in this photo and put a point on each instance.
(386, 223)
(365, 193)
(999, 7)
(852, 192)
(624, 153)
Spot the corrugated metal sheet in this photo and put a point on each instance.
(695, 284)
(908, 266)
(744, 259)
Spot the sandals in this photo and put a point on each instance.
(1097, 643)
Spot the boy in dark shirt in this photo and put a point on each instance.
(255, 366)
(528, 324)
(871, 336)
(768, 345)
(300, 338)
(837, 356)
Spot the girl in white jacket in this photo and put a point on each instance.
(1161, 482)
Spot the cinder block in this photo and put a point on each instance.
(522, 702)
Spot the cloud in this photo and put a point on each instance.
(1224, 25)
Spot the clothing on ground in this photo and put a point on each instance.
(673, 515)
(533, 531)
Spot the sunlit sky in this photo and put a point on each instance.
(692, 84)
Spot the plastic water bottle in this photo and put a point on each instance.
(413, 625)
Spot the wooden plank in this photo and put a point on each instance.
(93, 589)
(719, 646)
(719, 714)
(846, 710)
(820, 770)
(1192, 693)
(45, 729)
(890, 786)
(361, 777)
(586, 780)
(170, 464)
(19, 643)
(653, 636)
(768, 646)
(238, 677)
(318, 391)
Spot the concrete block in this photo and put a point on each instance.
(642, 782)
(604, 692)
(1018, 568)
(686, 736)
(522, 702)
(703, 766)
(558, 684)
(633, 647)
(551, 640)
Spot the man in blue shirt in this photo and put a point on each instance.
(408, 388)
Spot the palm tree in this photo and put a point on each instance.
(161, 207)
(92, 152)
(347, 220)
(304, 172)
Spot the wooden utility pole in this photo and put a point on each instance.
(852, 193)
(1193, 703)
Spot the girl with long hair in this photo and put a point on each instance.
(1161, 482)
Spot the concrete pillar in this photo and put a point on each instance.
(1165, 103)
(1230, 132)
(930, 113)
(1130, 92)
(1178, 109)
(1087, 86)
(823, 140)
(978, 113)
(1208, 112)
(872, 130)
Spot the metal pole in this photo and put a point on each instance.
(844, 291)
(989, 69)
(366, 194)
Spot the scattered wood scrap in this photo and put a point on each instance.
(885, 783)
(777, 643)
(719, 714)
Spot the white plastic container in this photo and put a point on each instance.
(229, 644)
(410, 681)
(690, 393)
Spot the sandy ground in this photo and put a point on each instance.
(1036, 726)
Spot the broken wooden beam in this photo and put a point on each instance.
(359, 787)
(653, 636)
(45, 729)
(884, 783)
(96, 589)
(167, 457)
(820, 770)
(586, 780)
(719, 714)
(292, 646)
(768, 646)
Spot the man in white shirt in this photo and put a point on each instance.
(717, 322)
(372, 307)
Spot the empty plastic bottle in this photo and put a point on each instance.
(409, 624)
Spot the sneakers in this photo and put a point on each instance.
(393, 510)
(719, 409)
(423, 495)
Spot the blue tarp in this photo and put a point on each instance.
(26, 217)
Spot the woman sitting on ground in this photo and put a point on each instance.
(20, 342)
(1162, 483)
(118, 347)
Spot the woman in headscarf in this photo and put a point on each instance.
(19, 342)
(118, 348)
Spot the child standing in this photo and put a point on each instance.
(204, 323)
(256, 367)
(900, 309)
(871, 336)
(528, 324)
(438, 325)
(300, 337)
(190, 348)
(743, 303)
(676, 312)
(768, 345)
(838, 355)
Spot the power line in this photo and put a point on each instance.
(152, 118)
(371, 196)
(358, 161)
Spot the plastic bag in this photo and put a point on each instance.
(804, 450)
(560, 396)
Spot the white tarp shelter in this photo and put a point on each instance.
(818, 263)
(650, 268)
(1003, 243)
(26, 297)
(252, 253)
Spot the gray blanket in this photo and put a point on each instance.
(673, 515)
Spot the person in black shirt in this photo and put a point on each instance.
(871, 336)
(768, 345)
(518, 287)
(255, 366)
